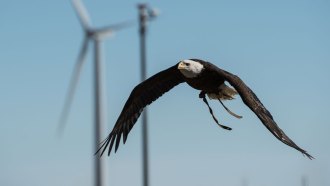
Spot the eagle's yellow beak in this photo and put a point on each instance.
(181, 65)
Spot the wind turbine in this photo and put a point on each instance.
(96, 35)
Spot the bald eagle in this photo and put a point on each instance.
(200, 75)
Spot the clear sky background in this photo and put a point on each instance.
(281, 49)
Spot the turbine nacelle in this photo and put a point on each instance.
(97, 34)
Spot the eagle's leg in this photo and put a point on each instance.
(229, 111)
(202, 95)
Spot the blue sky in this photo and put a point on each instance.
(279, 48)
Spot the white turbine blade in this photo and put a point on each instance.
(73, 84)
(82, 13)
(112, 28)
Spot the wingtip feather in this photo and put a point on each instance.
(111, 144)
(117, 142)
(308, 155)
(104, 145)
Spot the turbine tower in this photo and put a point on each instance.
(145, 14)
(96, 35)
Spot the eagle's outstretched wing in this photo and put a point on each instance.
(141, 96)
(252, 101)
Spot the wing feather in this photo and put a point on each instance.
(252, 101)
(141, 96)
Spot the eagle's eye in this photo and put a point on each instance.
(188, 64)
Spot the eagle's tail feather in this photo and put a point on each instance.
(225, 93)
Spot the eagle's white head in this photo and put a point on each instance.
(190, 68)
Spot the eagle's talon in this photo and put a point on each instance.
(202, 94)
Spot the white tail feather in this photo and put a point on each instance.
(225, 93)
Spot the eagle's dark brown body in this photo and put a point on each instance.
(208, 81)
